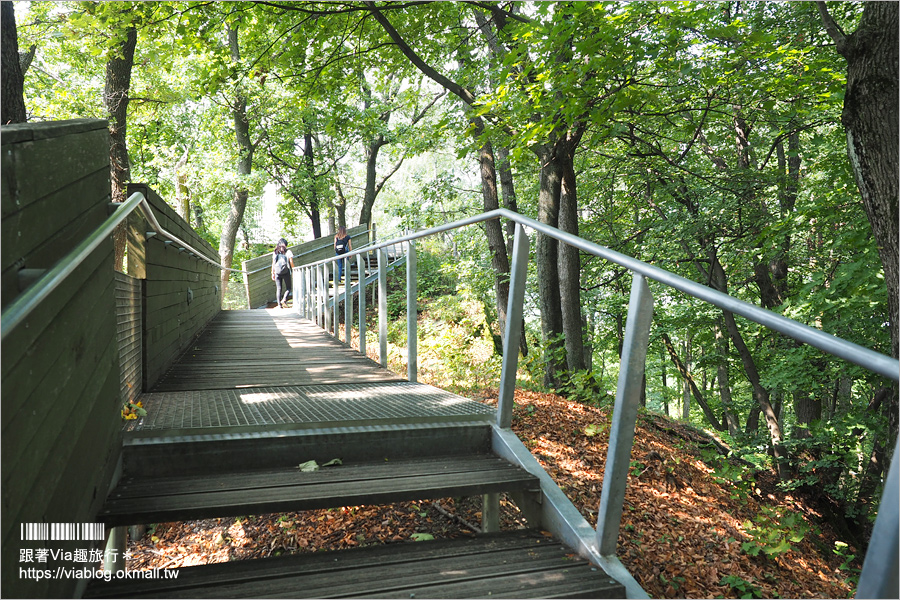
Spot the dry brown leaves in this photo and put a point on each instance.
(681, 531)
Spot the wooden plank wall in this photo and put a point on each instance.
(128, 328)
(61, 428)
(181, 291)
(258, 282)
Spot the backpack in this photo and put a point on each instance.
(281, 265)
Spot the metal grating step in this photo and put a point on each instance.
(304, 406)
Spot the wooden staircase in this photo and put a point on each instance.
(516, 564)
(234, 448)
(227, 486)
(197, 477)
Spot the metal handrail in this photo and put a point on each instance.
(28, 300)
(849, 351)
(297, 256)
(880, 568)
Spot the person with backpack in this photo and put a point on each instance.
(341, 246)
(282, 265)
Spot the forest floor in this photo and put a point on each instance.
(688, 530)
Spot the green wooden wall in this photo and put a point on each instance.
(258, 282)
(181, 291)
(61, 428)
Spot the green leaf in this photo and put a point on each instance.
(593, 429)
(308, 466)
(421, 537)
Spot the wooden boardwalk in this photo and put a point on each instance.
(261, 392)
(270, 369)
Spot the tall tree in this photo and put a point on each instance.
(493, 229)
(871, 120)
(116, 98)
(244, 165)
(11, 89)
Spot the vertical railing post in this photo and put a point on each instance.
(382, 307)
(299, 282)
(412, 314)
(326, 294)
(490, 512)
(513, 334)
(878, 578)
(310, 286)
(628, 399)
(317, 294)
(334, 307)
(348, 302)
(362, 304)
(323, 294)
(116, 546)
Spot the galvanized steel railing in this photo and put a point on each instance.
(879, 576)
(313, 299)
(28, 300)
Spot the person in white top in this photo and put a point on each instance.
(282, 265)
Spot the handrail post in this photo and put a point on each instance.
(307, 301)
(304, 307)
(878, 578)
(362, 304)
(334, 306)
(320, 286)
(412, 313)
(513, 334)
(299, 292)
(382, 307)
(348, 303)
(628, 399)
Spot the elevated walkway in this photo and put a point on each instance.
(260, 393)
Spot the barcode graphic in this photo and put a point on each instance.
(32, 532)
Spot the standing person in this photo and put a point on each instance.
(282, 264)
(341, 246)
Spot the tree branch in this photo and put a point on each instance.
(458, 90)
(832, 28)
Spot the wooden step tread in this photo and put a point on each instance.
(513, 564)
(164, 499)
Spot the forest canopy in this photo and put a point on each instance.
(732, 143)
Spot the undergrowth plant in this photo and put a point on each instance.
(744, 588)
(773, 531)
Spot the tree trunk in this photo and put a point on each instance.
(245, 162)
(760, 393)
(115, 97)
(724, 381)
(182, 193)
(372, 148)
(493, 229)
(871, 120)
(310, 165)
(807, 409)
(688, 382)
(340, 206)
(507, 192)
(547, 259)
(12, 80)
(570, 267)
(690, 387)
(665, 387)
